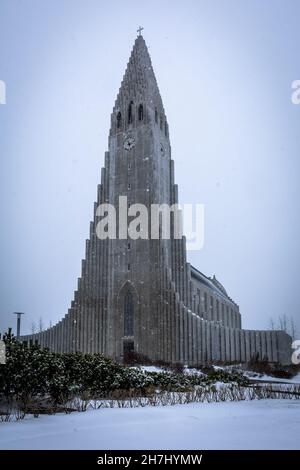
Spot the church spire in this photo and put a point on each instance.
(138, 94)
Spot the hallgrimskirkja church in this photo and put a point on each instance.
(141, 295)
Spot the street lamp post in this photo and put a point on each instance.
(18, 322)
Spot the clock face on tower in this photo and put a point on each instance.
(129, 143)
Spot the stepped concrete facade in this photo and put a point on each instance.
(142, 295)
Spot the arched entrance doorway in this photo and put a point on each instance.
(128, 342)
(127, 319)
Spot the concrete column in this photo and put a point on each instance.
(269, 345)
(61, 337)
(57, 337)
(85, 328)
(90, 330)
(222, 344)
(64, 339)
(172, 310)
(69, 332)
(227, 345)
(50, 339)
(257, 344)
(247, 341)
(204, 341)
(263, 345)
(212, 307)
(177, 327)
(61, 350)
(186, 337)
(218, 340)
(81, 316)
(199, 344)
(252, 343)
(208, 341)
(237, 345)
(45, 345)
(229, 317)
(75, 328)
(232, 345)
(243, 346)
(73, 323)
(42, 339)
(65, 335)
(190, 336)
(194, 340)
(181, 333)
(215, 343)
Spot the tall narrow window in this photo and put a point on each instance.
(161, 122)
(141, 112)
(128, 314)
(166, 129)
(130, 108)
(156, 116)
(119, 120)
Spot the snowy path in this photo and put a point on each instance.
(265, 424)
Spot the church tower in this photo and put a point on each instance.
(139, 294)
(139, 166)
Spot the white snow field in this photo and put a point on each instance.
(259, 424)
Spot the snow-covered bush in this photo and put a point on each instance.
(32, 373)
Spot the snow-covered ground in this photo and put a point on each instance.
(150, 368)
(249, 374)
(261, 424)
(268, 378)
(255, 376)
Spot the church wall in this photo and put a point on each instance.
(231, 319)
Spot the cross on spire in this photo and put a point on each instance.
(139, 30)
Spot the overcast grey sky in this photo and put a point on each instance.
(224, 69)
